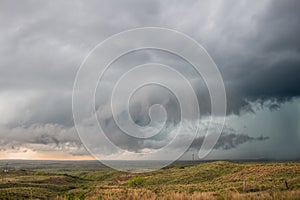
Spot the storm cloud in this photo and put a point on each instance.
(256, 46)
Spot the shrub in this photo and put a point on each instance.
(136, 181)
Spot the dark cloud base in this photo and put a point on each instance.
(256, 46)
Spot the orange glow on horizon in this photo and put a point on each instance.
(44, 155)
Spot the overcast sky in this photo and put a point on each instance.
(255, 44)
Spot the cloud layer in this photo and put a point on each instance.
(256, 46)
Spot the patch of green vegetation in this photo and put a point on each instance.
(136, 181)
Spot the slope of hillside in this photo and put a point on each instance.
(212, 180)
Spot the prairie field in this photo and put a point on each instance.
(181, 180)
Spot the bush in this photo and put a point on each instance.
(136, 181)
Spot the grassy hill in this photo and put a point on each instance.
(211, 180)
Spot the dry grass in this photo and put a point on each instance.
(215, 180)
(142, 194)
(137, 194)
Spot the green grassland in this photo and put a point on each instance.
(182, 180)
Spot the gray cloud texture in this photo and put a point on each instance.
(255, 45)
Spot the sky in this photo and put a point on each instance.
(255, 44)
